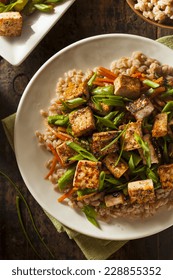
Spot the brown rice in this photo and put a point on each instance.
(157, 10)
(125, 65)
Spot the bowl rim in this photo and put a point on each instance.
(131, 5)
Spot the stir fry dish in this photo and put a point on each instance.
(12, 13)
(110, 139)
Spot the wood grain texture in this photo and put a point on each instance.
(83, 19)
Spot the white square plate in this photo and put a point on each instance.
(35, 27)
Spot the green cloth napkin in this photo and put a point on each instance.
(92, 248)
(167, 41)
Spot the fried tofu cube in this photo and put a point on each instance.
(128, 137)
(141, 191)
(65, 153)
(87, 175)
(140, 108)
(82, 121)
(153, 154)
(10, 24)
(127, 86)
(166, 175)
(101, 139)
(74, 90)
(117, 170)
(114, 199)
(160, 127)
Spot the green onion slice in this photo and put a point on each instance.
(151, 83)
(80, 150)
(91, 215)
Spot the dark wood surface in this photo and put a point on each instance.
(83, 19)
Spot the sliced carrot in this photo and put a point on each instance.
(54, 162)
(63, 136)
(157, 91)
(59, 134)
(66, 195)
(107, 73)
(137, 75)
(159, 80)
(103, 80)
(58, 102)
(61, 128)
(85, 196)
(55, 153)
(100, 84)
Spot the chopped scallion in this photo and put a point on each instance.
(146, 151)
(83, 152)
(91, 215)
(108, 90)
(151, 83)
(66, 178)
(101, 180)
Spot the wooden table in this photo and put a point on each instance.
(83, 19)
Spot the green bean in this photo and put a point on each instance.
(96, 103)
(20, 5)
(58, 120)
(91, 80)
(66, 178)
(62, 122)
(118, 118)
(29, 6)
(101, 180)
(110, 99)
(7, 8)
(140, 169)
(121, 152)
(43, 7)
(111, 96)
(113, 102)
(133, 161)
(76, 157)
(145, 148)
(168, 93)
(83, 152)
(105, 122)
(112, 180)
(85, 192)
(152, 175)
(111, 115)
(151, 83)
(108, 90)
(73, 103)
(115, 139)
(168, 107)
(90, 214)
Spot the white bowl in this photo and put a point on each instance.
(87, 53)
